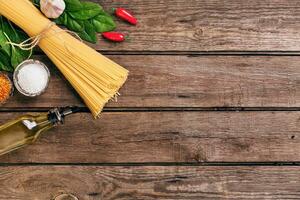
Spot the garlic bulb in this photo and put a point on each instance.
(52, 8)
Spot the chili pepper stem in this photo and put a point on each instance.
(127, 38)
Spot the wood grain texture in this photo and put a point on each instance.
(146, 183)
(123, 137)
(176, 81)
(182, 81)
(201, 25)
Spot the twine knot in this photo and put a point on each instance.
(32, 42)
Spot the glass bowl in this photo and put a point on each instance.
(17, 70)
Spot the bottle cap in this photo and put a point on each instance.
(57, 115)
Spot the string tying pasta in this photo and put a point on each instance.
(30, 43)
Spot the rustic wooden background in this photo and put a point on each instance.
(210, 110)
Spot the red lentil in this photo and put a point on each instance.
(5, 88)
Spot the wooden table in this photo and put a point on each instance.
(210, 110)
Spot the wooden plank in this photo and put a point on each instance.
(122, 137)
(200, 25)
(91, 183)
(182, 81)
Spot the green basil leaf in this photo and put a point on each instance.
(17, 55)
(3, 40)
(103, 23)
(70, 23)
(5, 61)
(88, 11)
(75, 25)
(9, 30)
(86, 19)
(89, 32)
(4, 67)
(22, 36)
(62, 19)
(16, 58)
(11, 56)
(83, 28)
(73, 5)
(36, 2)
(25, 54)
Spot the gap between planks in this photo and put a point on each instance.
(165, 109)
(163, 164)
(197, 53)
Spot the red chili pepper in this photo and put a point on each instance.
(114, 36)
(125, 15)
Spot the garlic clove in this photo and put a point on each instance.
(52, 8)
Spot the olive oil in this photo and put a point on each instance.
(27, 128)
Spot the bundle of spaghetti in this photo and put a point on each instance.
(96, 78)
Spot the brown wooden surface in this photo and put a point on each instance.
(183, 81)
(130, 137)
(201, 25)
(157, 141)
(145, 183)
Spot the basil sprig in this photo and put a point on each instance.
(11, 56)
(86, 19)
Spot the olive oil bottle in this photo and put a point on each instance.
(27, 128)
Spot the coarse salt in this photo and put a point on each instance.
(32, 78)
